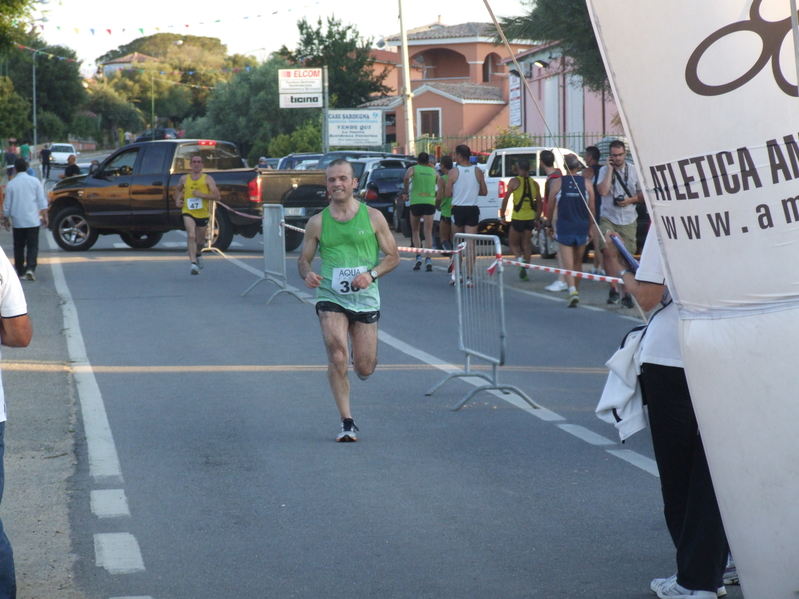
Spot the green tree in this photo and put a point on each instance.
(196, 63)
(307, 138)
(567, 22)
(161, 45)
(49, 127)
(246, 110)
(113, 111)
(512, 138)
(347, 57)
(14, 111)
(84, 125)
(59, 85)
(11, 11)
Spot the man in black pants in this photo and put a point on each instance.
(689, 500)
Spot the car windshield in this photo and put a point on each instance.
(388, 174)
(61, 149)
(217, 156)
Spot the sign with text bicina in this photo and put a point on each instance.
(707, 93)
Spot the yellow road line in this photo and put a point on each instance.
(25, 366)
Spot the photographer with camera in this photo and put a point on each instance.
(620, 191)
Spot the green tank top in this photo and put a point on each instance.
(524, 198)
(348, 249)
(423, 190)
(446, 203)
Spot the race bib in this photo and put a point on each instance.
(342, 279)
(195, 203)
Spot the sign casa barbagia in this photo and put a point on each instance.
(358, 128)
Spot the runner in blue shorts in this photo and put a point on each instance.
(574, 195)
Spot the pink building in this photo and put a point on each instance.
(573, 116)
(459, 82)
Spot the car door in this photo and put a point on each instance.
(148, 189)
(107, 201)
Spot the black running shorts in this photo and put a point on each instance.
(466, 216)
(352, 317)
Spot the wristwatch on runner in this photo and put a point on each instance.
(373, 274)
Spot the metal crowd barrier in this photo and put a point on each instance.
(481, 312)
(274, 227)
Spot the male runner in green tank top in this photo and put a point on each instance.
(349, 236)
(421, 181)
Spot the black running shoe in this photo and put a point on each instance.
(428, 265)
(348, 430)
(627, 301)
(613, 297)
(418, 264)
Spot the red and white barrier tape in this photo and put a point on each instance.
(229, 209)
(561, 271)
(426, 251)
(293, 228)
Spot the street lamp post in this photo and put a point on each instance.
(152, 107)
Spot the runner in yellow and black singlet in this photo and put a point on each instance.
(192, 194)
(526, 196)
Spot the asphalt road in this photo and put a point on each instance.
(227, 481)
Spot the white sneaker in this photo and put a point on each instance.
(661, 583)
(675, 591)
(557, 286)
(200, 260)
(30, 276)
(194, 269)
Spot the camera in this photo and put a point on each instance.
(618, 200)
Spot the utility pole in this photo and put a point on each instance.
(407, 94)
(35, 133)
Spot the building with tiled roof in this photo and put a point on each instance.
(125, 62)
(458, 79)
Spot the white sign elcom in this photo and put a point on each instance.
(355, 127)
(315, 100)
(300, 81)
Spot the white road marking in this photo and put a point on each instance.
(636, 459)
(103, 458)
(583, 433)
(543, 413)
(118, 552)
(137, 597)
(109, 503)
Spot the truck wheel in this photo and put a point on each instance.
(72, 232)
(294, 239)
(142, 241)
(223, 232)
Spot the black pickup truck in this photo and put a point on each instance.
(132, 194)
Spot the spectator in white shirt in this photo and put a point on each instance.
(25, 209)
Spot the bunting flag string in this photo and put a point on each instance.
(162, 28)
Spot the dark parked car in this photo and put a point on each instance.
(379, 189)
(355, 155)
(292, 160)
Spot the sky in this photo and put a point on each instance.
(254, 28)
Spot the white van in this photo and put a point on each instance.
(499, 169)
